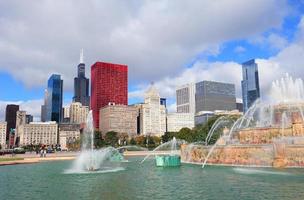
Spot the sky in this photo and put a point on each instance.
(170, 43)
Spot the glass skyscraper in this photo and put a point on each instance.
(250, 84)
(81, 85)
(53, 107)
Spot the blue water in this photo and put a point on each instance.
(48, 180)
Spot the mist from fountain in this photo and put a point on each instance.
(95, 160)
(172, 146)
(286, 96)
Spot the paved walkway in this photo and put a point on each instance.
(30, 158)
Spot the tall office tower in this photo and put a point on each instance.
(152, 114)
(66, 114)
(53, 105)
(250, 84)
(3, 134)
(185, 98)
(43, 107)
(211, 96)
(20, 122)
(10, 118)
(109, 84)
(81, 84)
(78, 113)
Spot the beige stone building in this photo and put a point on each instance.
(38, 133)
(177, 121)
(78, 113)
(35, 132)
(118, 118)
(20, 123)
(152, 114)
(3, 126)
(68, 134)
(66, 112)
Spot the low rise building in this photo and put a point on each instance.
(118, 118)
(68, 134)
(3, 126)
(78, 113)
(177, 121)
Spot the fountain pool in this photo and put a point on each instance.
(48, 180)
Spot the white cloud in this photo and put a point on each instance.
(239, 49)
(272, 41)
(32, 107)
(289, 60)
(155, 38)
(216, 71)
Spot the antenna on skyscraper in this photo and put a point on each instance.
(81, 56)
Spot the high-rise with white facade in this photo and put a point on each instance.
(152, 114)
(3, 134)
(78, 113)
(185, 98)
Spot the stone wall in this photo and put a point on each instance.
(246, 155)
(267, 135)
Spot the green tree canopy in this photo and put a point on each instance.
(111, 138)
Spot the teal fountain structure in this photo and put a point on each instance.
(167, 154)
(169, 160)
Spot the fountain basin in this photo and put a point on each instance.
(168, 161)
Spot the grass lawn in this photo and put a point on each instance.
(5, 159)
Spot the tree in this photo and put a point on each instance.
(98, 140)
(133, 141)
(168, 136)
(140, 140)
(111, 138)
(186, 134)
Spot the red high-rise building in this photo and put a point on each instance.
(109, 84)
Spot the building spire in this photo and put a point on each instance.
(81, 56)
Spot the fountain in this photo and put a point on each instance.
(165, 159)
(92, 160)
(269, 134)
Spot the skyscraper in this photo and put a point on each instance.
(81, 84)
(10, 118)
(43, 107)
(211, 96)
(109, 84)
(53, 107)
(152, 114)
(185, 98)
(250, 84)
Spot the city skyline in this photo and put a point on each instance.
(274, 44)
